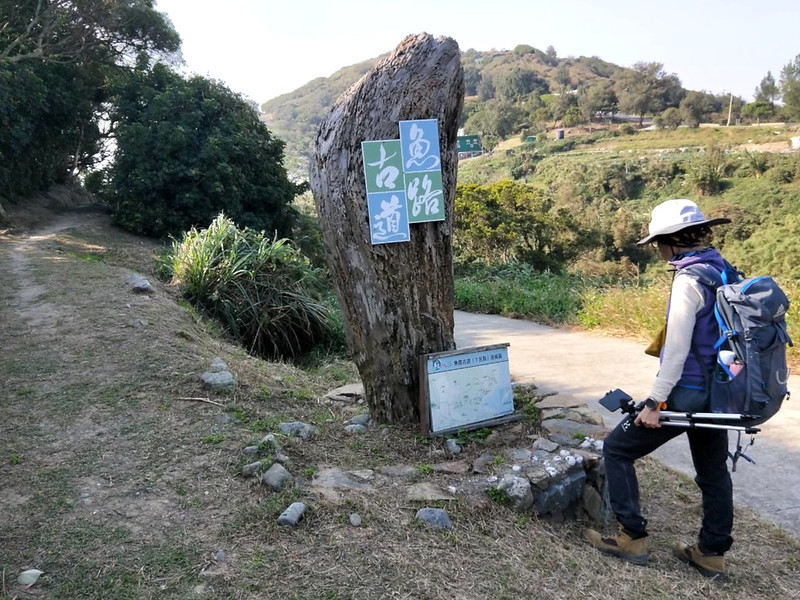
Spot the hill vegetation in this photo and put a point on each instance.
(525, 91)
(515, 77)
(592, 203)
(294, 117)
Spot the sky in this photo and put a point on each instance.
(265, 48)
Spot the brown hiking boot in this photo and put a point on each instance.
(622, 545)
(710, 564)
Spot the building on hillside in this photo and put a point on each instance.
(469, 146)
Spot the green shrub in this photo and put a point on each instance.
(669, 119)
(782, 172)
(188, 149)
(511, 221)
(661, 172)
(265, 292)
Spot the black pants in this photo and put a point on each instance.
(709, 453)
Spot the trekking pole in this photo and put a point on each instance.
(619, 400)
(690, 424)
(679, 419)
(710, 416)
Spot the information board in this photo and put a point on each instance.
(465, 389)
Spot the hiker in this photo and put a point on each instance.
(680, 232)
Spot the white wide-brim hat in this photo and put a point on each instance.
(673, 216)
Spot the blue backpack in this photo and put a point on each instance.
(751, 314)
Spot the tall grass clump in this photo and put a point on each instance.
(706, 171)
(757, 163)
(637, 311)
(263, 291)
(518, 290)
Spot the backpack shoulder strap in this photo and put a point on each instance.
(706, 274)
(711, 276)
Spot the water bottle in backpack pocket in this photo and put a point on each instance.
(728, 393)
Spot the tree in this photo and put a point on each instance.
(188, 149)
(790, 88)
(71, 30)
(519, 82)
(561, 103)
(598, 98)
(396, 299)
(698, 107)
(670, 118)
(758, 110)
(471, 106)
(472, 79)
(574, 116)
(767, 91)
(58, 62)
(496, 118)
(47, 125)
(486, 88)
(647, 88)
(729, 103)
(562, 76)
(542, 115)
(551, 57)
(512, 221)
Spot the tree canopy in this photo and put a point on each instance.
(188, 149)
(58, 59)
(87, 30)
(647, 89)
(697, 107)
(768, 91)
(508, 221)
(599, 97)
(790, 88)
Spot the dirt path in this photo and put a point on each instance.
(28, 292)
(87, 476)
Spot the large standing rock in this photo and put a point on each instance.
(396, 299)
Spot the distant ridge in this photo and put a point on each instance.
(295, 116)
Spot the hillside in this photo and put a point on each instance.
(294, 117)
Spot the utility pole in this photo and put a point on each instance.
(730, 108)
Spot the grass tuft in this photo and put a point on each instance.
(263, 291)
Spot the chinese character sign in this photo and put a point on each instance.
(386, 198)
(422, 167)
(404, 181)
(420, 143)
(425, 196)
(388, 218)
(383, 166)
